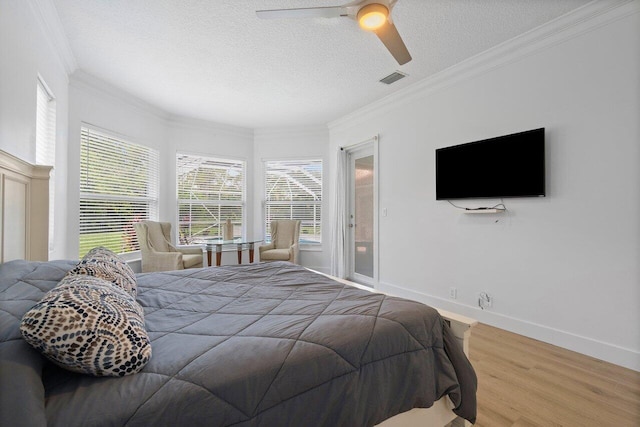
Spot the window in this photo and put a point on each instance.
(293, 190)
(118, 187)
(210, 191)
(46, 141)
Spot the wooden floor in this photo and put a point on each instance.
(524, 382)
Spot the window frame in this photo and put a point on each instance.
(151, 198)
(242, 203)
(45, 147)
(308, 245)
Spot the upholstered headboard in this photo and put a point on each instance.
(24, 210)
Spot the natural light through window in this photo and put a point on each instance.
(293, 190)
(118, 187)
(210, 191)
(46, 142)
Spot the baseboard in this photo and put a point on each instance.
(324, 270)
(600, 350)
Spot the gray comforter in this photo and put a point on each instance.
(260, 345)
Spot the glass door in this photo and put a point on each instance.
(361, 216)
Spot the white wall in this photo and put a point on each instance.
(294, 144)
(26, 51)
(563, 268)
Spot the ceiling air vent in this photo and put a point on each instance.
(393, 77)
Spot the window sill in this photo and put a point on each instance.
(131, 256)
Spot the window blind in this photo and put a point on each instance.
(293, 190)
(45, 126)
(210, 191)
(46, 143)
(118, 187)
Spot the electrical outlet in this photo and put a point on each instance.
(485, 300)
(453, 293)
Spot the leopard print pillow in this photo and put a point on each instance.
(87, 325)
(103, 263)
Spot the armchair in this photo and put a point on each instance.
(284, 245)
(160, 255)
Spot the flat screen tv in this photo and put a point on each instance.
(505, 166)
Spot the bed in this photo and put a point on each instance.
(261, 344)
(267, 344)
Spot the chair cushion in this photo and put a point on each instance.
(103, 263)
(285, 232)
(275, 255)
(192, 260)
(87, 325)
(156, 237)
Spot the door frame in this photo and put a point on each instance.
(350, 243)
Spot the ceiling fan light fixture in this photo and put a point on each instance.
(372, 16)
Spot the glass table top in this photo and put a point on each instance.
(221, 241)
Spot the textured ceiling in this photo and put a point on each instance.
(215, 60)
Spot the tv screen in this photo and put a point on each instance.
(506, 166)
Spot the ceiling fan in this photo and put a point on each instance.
(372, 15)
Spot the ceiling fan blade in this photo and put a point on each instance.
(390, 37)
(308, 12)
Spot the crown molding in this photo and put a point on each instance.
(48, 20)
(587, 18)
(88, 82)
(312, 131)
(83, 80)
(190, 123)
